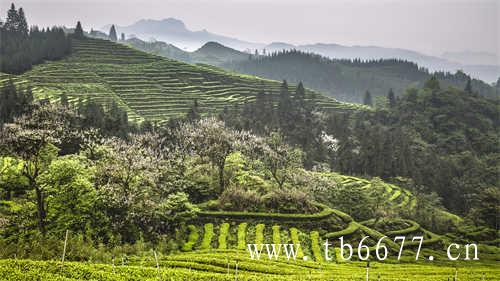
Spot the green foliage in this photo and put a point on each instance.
(71, 195)
(315, 246)
(207, 236)
(294, 235)
(276, 235)
(346, 79)
(223, 236)
(21, 48)
(351, 228)
(242, 231)
(259, 234)
(192, 238)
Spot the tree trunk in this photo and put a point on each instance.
(41, 209)
(221, 178)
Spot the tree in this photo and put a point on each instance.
(468, 86)
(71, 196)
(78, 30)
(391, 98)
(64, 100)
(112, 33)
(211, 139)
(122, 37)
(284, 105)
(280, 159)
(22, 23)
(12, 21)
(194, 112)
(367, 100)
(300, 96)
(432, 83)
(32, 138)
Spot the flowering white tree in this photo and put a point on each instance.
(211, 139)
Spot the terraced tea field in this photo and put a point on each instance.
(225, 265)
(148, 86)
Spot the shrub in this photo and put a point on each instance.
(294, 234)
(288, 201)
(239, 199)
(242, 236)
(192, 238)
(351, 228)
(224, 230)
(207, 236)
(276, 235)
(259, 234)
(315, 246)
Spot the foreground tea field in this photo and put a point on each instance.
(222, 266)
(147, 86)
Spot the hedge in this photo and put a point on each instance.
(294, 234)
(315, 246)
(259, 234)
(276, 235)
(351, 228)
(192, 238)
(412, 228)
(207, 236)
(324, 213)
(224, 230)
(242, 230)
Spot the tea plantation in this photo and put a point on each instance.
(215, 248)
(147, 86)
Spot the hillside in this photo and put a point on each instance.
(147, 86)
(217, 54)
(349, 80)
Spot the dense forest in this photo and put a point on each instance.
(20, 47)
(348, 80)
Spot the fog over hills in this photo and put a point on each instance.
(482, 66)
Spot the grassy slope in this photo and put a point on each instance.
(147, 86)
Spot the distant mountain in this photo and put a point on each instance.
(479, 65)
(175, 32)
(217, 54)
(472, 58)
(211, 53)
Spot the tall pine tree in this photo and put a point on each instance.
(367, 100)
(391, 98)
(112, 33)
(78, 30)
(22, 23)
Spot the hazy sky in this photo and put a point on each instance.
(429, 26)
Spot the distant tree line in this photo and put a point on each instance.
(21, 48)
(347, 79)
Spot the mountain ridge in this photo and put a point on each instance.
(175, 31)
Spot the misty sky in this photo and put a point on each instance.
(428, 26)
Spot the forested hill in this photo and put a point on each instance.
(344, 79)
(348, 80)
